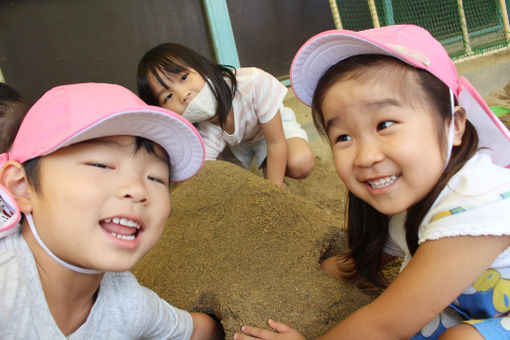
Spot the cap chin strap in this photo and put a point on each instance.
(451, 131)
(53, 256)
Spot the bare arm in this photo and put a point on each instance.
(276, 149)
(439, 272)
(205, 328)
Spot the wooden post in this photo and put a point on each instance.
(336, 14)
(373, 13)
(463, 26)
(504, 16)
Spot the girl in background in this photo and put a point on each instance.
(240, 108)
(424, 182)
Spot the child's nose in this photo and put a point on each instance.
(184, 95)
(367, 153)
(133, 190)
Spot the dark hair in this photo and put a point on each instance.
(12, 111)
(368, 228)
(32, 165)
(173, 58)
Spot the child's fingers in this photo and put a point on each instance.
(280, 327)
(258, 333)
(285, 331)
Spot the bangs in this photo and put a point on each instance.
(167, 67)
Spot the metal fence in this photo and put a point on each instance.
(467, 28)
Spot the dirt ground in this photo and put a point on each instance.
(243, 250)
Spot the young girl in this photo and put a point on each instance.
(241, 108)
(425, 183)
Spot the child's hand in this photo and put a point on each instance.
(284, 332)
(285, 187)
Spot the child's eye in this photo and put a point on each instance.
(157, 180)
(385, 124)
(343, 138)
(99, 165)
(184, 76)
(167, 98)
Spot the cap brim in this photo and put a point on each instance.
(321, 52)
(494, 137)
(176, 135)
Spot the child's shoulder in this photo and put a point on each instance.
(12, 245)
(119, 282)
(480, 175)
(475, 202)
(251, 73)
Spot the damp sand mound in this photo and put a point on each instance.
(244, 250)
(499, 97)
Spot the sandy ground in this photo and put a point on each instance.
(243, 250)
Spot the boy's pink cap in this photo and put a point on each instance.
(69, 114)
(414, 46)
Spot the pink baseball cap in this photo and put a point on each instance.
(414, 46)
(70, 114)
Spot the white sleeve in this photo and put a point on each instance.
(164, 321)
(268, 95)
(475, 202)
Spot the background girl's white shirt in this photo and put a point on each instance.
(258, 98)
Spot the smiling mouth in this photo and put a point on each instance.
(383, 182)
(122, 228)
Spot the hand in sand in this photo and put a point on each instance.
(285, 187)
(284, 332)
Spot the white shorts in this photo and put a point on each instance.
(246, 151)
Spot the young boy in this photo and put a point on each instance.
(89, 170)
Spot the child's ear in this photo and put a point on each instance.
(459, 115)
(13, 178)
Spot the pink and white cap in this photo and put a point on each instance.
(414, 46)
(70, 114)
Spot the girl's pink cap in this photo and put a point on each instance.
(414, 46)
(69, 114)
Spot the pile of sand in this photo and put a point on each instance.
(244, 250)
(499, 97)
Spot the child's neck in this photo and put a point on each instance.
(69, 295)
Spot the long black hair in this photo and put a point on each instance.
(368, 228)
(171, 58)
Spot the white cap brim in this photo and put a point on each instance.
(173, 133)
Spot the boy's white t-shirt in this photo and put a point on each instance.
(258, 98)
(123, 308)
(475, 202)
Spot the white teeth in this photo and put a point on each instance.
(124, 237)
(123, 221)
(382, 182)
